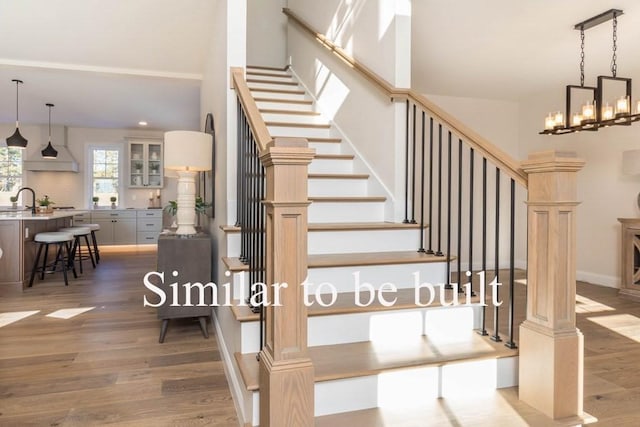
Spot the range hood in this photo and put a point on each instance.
(63, 163)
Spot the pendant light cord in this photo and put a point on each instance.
(614, 65)
(582, 56)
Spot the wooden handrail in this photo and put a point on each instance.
(256, 123)
(489, 150)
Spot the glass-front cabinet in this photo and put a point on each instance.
(145, 163)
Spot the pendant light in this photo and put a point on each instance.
(49, 152)
(16, 140)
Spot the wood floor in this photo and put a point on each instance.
(105, 366)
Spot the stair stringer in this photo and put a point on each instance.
(360, 164)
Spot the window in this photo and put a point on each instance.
(105, 174)
(10, 173)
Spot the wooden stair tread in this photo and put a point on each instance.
(299, 125)
(262, 89)
(353, 259)
(334, 156)
(340, 361)
(347, 199)
(345, 304)
(343, 226)
(283, 101)
(292, 112)
(272, 82)
(314, 139)
(338, 176)
(372, 258)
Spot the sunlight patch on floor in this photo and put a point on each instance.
(626, 325)
(9, 318)
(68, 313)
(586, 305)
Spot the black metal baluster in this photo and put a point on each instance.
(406, 170)
(421, 249)
(242, 183)
(512, 237)
(496, 309)
(413, 168)
(483, 292)
(448, 284)
(430, 225)
(238, 157)
(460, 288)
(439, 252)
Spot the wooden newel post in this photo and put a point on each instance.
(286, 372)
(551, 347)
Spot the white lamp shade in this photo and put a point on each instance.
(187, 150)
(631, 162)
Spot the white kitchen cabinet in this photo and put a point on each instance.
(117, 227)
(145, 163)
(148, 226)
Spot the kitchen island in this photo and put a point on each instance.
(16, 240)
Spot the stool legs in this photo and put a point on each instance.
(96, 251)
(59, 259)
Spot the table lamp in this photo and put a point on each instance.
(187, 152)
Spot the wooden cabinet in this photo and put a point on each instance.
(116, 227)
(148, 226)
(11, 244)
(145, 164)
(191, 258)
(630, 281)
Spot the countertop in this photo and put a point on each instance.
(28, 216)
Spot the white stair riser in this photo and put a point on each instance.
(282, 105)
(294, 118)
(379, 326)
(299, 131)
(337, 187)
(276, 78)
(331, 166)
(273, 85)
(347, 279)
(409, 387)
(327, 242)
(346, 212)
(284, 73)
(403, 276)
(326, 147)
(278, 95)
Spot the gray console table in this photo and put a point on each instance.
(191, 258)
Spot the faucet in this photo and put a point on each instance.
(33, 198)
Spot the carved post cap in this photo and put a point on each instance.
(552, 161)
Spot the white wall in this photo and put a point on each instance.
(365, 29)
(266, 33)
(605, 192)
(71, 189)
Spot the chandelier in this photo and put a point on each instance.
(598, 109)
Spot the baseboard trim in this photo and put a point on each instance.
(598, 279)
(232, 380)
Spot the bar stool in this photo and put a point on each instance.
(96, 250)
(79, 232)
(63, 240)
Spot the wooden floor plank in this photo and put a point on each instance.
(106, 365)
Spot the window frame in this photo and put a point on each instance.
(22, 172)
(89, 170)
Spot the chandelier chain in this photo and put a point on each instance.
(582, 56)
(614, 65)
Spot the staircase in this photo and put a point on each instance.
(371, 356)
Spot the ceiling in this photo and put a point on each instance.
(105, 64)
(506, 49)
